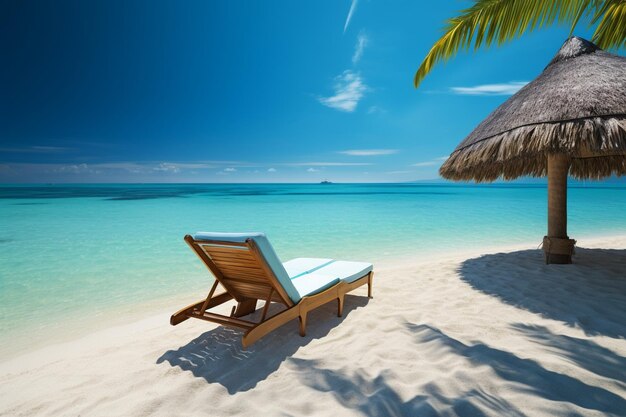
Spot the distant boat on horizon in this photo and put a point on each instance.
(325, 182)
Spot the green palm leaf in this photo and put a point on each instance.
(498, 21)
(611, 30)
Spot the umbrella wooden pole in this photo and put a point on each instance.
(555, 244)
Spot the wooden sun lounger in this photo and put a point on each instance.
(241, 269)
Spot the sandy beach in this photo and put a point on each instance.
(483, 333)
(287, 154)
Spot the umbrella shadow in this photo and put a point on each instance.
(589, 294)
(217, 356)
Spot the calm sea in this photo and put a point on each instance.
(74, 255)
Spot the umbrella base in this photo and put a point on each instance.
(553, 258)
(558, 250)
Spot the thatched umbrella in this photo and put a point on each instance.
(570, 119)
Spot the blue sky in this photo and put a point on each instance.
(242, 91)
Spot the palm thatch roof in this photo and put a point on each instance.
(576, 106)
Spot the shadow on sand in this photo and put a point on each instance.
(584, 353)
(218, 357)
(373, 396)
(589, 294)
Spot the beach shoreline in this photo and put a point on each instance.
(116, 316)
(452, 301)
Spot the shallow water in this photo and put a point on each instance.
(69, 251)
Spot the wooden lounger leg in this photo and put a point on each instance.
(245, 307)
(184, 313)
(269, 325)
(340, 305)
(302, 318)
(369, 284)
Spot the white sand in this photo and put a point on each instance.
(494, 335)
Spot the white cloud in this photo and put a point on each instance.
(376, 109)
(73, 169)
(271, 170)
(425, 164)
(167, 167)
(230, 169)
(361, 43)
(328, 164)
(504, 89)
(349, 90)
(369, 152)
(312, 170)
(432, 162)
(350, 13)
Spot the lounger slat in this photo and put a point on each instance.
(240, 260)
(244, 267)
(234, 259)
(232, 262)
(222, 243)
(245, 278)
(246, 275)
(237, 254)
(240, 284)
(249, 289)
(226, 251)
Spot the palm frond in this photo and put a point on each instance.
(499, 21)
(611, 31)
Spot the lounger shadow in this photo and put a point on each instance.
(248, 269)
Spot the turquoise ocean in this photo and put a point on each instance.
(75, 257)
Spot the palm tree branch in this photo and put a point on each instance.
(497, 21)
(611, 29)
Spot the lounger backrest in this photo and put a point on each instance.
(247, 265)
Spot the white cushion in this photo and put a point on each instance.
(300, 266)
(324, 275)
(345, 270)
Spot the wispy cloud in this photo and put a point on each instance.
(312, 170)
(349, 90)
(504, 89)
(368, 152)
(327, 164)
(130, 167)
(399, 172)
(375, 110)
(74, 169)
(350, 14)
(425, 164)
(432, 162)
(361, 43)
(271, 170)
(37, 149)
(230, 169)
(167, 167)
